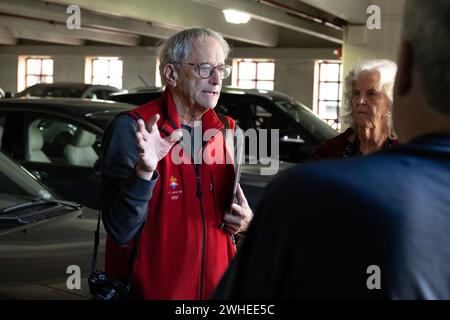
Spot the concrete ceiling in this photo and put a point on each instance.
(352, 11)
(274, 23)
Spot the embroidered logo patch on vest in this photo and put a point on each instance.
(173, 182)
(175, 194)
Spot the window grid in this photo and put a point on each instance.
(333, 121)
(42, 76)
(256, 79)
(96, 75)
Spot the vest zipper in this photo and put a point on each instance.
(199, 196)
(202, 213)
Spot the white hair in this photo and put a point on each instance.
(426, 24)
(386, 69)
(176, 48)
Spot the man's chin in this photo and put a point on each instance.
(209, 105)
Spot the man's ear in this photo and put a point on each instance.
(403, 81)
(170, 74)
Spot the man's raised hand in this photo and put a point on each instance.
(151, 146)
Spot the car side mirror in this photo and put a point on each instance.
(40, 175)
(36, 174)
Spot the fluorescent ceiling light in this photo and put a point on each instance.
(236, 17)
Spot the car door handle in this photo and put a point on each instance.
(294, 140)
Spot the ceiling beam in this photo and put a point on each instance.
(181, 14)
(6, 37)
(33, 29)
(279, 18)
(56, 12)
(36, 30)
(349, 10)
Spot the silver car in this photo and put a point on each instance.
(45, 243)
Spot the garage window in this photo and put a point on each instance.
(105, 71)
(38, 70)
(254, 74)
(329, 91)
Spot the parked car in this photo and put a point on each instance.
(300, 130)
(68, 90)
(60, 139)
(40, 237)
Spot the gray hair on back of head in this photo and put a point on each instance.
(177, 47)
(426, 25)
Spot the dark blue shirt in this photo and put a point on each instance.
(124, 195)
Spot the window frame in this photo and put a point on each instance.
(334, 122)
(255, 79)
(41, 75)
(108, 76)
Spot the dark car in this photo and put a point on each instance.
(43, 239)
(300, 130)
(60, 139)
(68, 90)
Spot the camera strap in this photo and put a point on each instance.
(133, 253)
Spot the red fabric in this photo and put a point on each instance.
(169, 261)
(334, 147)
(341, 147)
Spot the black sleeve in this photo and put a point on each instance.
(124, 195)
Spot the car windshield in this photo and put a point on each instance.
(306, 118)
(18, 185)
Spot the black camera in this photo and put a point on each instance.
(104, 288)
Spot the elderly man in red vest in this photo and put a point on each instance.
(155, 186)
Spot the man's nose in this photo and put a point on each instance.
(215, 77)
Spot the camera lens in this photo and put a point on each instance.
(107, 294)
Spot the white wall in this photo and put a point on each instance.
(360, 43)
(294, 68)
(69, 63)
(8, 73)
(296, 78)
(68, 68)
(135, 66)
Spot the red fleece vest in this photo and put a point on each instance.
(182, 251)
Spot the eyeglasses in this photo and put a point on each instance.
(205, 70)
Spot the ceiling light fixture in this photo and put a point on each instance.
(236, 17)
